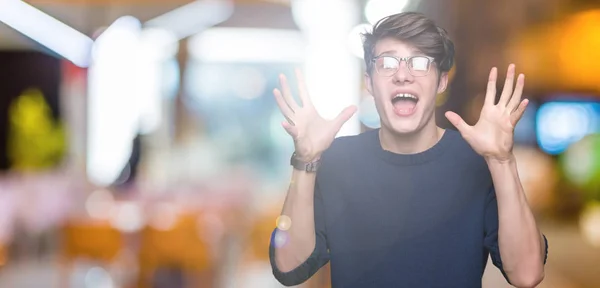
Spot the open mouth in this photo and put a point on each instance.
(404, 103)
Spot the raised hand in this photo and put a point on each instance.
(312, 133)
(492, 136)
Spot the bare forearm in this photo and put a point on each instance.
(522, 247)
(298, 209)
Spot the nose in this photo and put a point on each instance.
(403, 75)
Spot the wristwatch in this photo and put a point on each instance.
(304, 166)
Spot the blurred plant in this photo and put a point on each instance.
(35, 141)
(581, 166)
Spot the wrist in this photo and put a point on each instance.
(508, 159)
(307, 158)
(304, 163)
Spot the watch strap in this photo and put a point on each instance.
(298, 164)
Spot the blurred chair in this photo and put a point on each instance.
(260, 237)
(3, 255)
(181, 246)
(259, 240)
(97, 241)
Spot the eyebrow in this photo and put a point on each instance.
(393, 52)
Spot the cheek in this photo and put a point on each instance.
(379, 87)
(429, 87)
(379, 103)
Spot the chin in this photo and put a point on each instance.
(403, 126)
(405, 129)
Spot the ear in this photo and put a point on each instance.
(442, 83)
(369, 83)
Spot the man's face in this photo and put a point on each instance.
(405, 101)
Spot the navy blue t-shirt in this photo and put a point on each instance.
(401, 220)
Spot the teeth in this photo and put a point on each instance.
(406, 95)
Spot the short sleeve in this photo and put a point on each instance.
(491, 232)
(315, 261)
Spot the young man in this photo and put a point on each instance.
(409, 204)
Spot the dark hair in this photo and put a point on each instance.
(415, 29)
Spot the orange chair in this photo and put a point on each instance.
(92, 240)
(3, 255)
(179, 246)
(260, 237)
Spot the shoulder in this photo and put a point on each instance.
(461, 161)
(345, 152)
(461, 152)
(345, 146)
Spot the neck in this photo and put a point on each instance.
(413, 143)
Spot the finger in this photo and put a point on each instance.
(344, 116)
(490, 95)
(516, 97)
(283, 107)
(516, 116)
(458, 122)
(290, 129)
(302, 89)
(290, 121)
(508, 86)
(287, 93)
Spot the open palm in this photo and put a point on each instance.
(312, 133)
(493, 134)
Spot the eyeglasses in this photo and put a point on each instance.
(388, 66)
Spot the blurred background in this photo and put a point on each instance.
(140, 145)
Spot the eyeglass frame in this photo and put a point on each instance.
(405, 59)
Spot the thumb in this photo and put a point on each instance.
(457, 121)
(344, 116)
